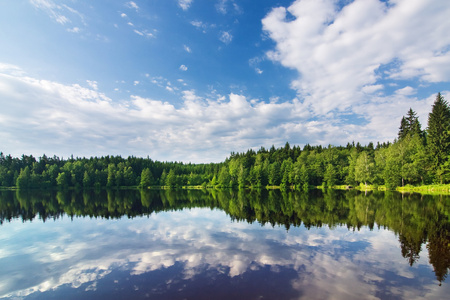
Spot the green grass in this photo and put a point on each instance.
(432, 189)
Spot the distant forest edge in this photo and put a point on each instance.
(416, 157)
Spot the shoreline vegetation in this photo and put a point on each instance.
(417, 161)
(431, 189)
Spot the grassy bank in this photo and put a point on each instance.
(433, 189)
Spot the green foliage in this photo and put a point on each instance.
(146, 178)
(364, 168)
(24, 179)
(330, 176)
(439, 137)
(410, 125)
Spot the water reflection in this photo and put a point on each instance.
(177, 245)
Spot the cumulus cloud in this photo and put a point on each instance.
(183, 68)
(226, 37)
(133, 5)
(202, 25)
(343, 53)
(40, 116)
(72, 119)
(93, 84)
(406, 91)
(221, 6)
(184, 4)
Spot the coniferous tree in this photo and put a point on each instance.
(439, 135)
(403, 129)
(413, 123)
(410, 125)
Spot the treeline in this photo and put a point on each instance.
(416, 157)
(28, 172)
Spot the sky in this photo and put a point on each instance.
(194, 80)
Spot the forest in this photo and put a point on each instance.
(416, 157)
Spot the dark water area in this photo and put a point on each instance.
(210, 244)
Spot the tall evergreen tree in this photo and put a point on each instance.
(403, 129)
(439, 135)
(410, 125)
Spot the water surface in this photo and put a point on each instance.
(222, 245)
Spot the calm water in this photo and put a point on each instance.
(223, 245)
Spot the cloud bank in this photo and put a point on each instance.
(345, 55)
(59, 119)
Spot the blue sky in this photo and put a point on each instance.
(193, 80)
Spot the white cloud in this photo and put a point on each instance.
(198, 24)
(136, 82)
(339, 53)
(123, 15)
(183, 68)
(11, 69)
(133, 5)
(185, 4)
(74, 30)
(59, 12)
(144, 33)
(370, 89)
(72, 119)
(93, 84)
(222, 6)
(41, 116)
(202, 25)
(52, 9)
(187, 49)
(225, 37)
(406, 91)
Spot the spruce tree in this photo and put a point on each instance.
(438, 134)
(403, 129)
(410, 125)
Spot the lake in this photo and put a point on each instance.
(210, 244)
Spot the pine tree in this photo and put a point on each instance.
(410, 125)
(403, 130)
(438, 134)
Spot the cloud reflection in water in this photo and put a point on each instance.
(201, 250)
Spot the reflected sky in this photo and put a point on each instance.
(201, 254)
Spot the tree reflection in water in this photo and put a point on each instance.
(417, 220)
